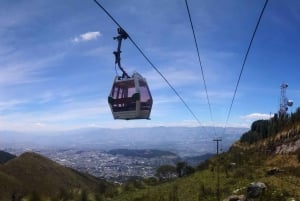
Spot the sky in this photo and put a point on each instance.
(57, 65)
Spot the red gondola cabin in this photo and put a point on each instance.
(130, 98)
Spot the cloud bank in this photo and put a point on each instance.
(254, 116)
(87, 36)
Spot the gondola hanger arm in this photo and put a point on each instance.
(122, 35)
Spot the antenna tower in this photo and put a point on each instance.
(284, 102)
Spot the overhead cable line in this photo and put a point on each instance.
(244, 62)
(200, 63)
(152, 65)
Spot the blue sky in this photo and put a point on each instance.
(57, 66)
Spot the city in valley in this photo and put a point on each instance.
(112, 165)
(118, 155)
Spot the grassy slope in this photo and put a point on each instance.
(250, 167)
(8, 185)
(32, 172)
(4, 157)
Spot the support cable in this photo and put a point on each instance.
(244, 62)
(152, 65)
(200, 64)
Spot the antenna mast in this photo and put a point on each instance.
(284, 102)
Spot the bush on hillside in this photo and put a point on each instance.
(262, 129)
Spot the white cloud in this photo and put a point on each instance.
(254, 116)
(87, 36)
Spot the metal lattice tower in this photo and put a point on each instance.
(284, 102)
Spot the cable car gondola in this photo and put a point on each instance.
(130, 97)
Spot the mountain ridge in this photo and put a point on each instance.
(5, 157)
(31, 172)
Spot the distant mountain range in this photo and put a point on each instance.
(184, 141)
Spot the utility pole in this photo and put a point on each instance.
(218, 140)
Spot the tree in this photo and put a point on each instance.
(180, 166)
(166, 172)
(183, 169)
(84, 196)
(189, 170)
(98, 197)
(35, 197)
(65, 195)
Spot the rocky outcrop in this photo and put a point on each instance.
(284, 142)
(274, 171)
(289, 147)
(236, 198)
(254, 190)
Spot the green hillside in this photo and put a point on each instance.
(251, 167)
(34, 175)
(4, 157)
(262, 155)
